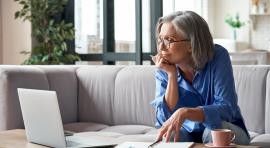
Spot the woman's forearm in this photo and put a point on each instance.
(172, 93)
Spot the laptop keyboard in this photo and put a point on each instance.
(72, 143)
(68, 133)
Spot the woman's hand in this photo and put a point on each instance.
(173, 124)
(162, 63)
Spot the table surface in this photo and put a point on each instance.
(17, 138)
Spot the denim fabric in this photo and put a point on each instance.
(241, 137)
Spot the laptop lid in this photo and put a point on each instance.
(42, 118)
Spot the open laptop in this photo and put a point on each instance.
(43, 123)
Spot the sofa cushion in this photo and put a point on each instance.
(96, 93)
(128, 129)
(63, 80)
(84, 126)
(11, 78)
(134, 90)
(153, 131)
(253, 135)
(262, 140)
(250, 83)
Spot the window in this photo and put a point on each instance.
(88, 26)
(146, 28)
(198, 6)
(116, 32)
(124, 11)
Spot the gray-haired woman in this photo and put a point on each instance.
(195, 89)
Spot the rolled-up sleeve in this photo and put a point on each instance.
(161, 109)
(223, 104)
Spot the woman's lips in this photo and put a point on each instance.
(165, 56)
(167, 60)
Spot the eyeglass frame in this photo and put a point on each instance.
(169, 42)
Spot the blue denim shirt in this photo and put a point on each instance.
(212, 89)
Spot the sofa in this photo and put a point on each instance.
(116, 99)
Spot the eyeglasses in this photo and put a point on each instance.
(167, 43)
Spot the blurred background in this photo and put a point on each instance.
(121, 32)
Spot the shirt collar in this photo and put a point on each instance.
(183, 83)
(180, 72)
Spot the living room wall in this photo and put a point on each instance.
(16, 34)
(1, 51)
(221, 9)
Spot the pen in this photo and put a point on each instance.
(153, 144)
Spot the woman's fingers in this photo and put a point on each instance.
(161, 133)
(154, 58)
(164, 136)
(176, 136)
(159, 60)
(168, 134)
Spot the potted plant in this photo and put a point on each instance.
(234, 23)
(51, 36)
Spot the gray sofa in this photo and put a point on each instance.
(116, 98)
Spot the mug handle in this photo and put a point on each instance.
(233, 137)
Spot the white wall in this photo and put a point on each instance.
(16, 34)
(220, 9)
(260, 35)
(211, 15)
(1, 53)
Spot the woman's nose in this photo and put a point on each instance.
(162, 47)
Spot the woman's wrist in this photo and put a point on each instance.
(172, 74)
(184, 113)
(194, 114)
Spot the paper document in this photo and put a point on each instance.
(159, 145)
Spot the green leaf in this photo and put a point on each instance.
(234, 22)
(51, 22)
(17, 14)
(22, 3)
(50, 35)
(25, 6)
(45, 58)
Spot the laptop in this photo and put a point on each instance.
(43, 122)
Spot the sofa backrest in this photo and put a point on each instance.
(60, 78)
(63, 80)
(116, 94)
(96, 86)
(250, 83)
(119, 94)
(134, 90)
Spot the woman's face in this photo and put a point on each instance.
(179, 49)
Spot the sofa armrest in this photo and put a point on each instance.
(11, 78)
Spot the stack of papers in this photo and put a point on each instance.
(158, 145)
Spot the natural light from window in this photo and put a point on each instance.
(89, 22)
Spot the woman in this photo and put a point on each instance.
(195, 89)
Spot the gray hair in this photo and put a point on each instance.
(194, 28)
